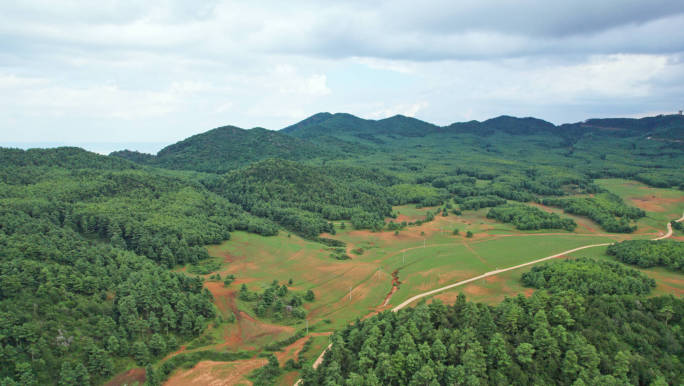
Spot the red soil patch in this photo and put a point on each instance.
(653, 203)
(173, 354)
(528, 292)
(493, 279)
(473, 289)
(231, 373)
(289, 378)
(401, 218)
(217, 373)
(128, 378)
(248, 328)
(395, 287)
(446, 297)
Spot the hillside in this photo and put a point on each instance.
(226, 148)
(341, 124)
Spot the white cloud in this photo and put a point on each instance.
(409, 110)
(315, 85)
(32, 96)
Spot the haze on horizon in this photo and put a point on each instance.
(160, 71)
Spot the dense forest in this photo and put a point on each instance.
(575, 334)
(650, 253)
(86, 243)
(73, 310)
(607, 209)
(526, 217)
(588, 277)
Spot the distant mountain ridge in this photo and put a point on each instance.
(327, 136)
(332, 124)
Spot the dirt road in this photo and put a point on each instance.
(319, 360)
(669, 229)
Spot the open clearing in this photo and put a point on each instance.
(424, 258)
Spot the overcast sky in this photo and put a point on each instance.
(158, 71)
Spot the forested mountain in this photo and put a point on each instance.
(646, 149)
(304, 198)
(326, 124)
(227, 148)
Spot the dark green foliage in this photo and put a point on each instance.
(679, 226)
(165, 217)
(33, 160)
(527, 217)
(275, 346)
(310, 296)
(477, 202)
(561, 339)
(134, 156)
(205, 267)
(226, 148)
(229, 279)
(276, 302)
(588, 277)
(326, 124)
(607, 209)
(266, 374)
(84, 302)
(331, 242)
(304, 198)
(650, 253)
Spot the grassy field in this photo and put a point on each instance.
(661, 205)
(424, 257)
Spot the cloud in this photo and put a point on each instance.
(33, 96)
(409, 110)
(171, 68)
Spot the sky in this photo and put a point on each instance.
(143, 74)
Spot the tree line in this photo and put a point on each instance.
(650, 253)
(526, 217)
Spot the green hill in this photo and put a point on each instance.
(226, 148)
(341, 124)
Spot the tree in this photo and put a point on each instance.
(424, 376)
(112, 344)
(140, 353)
(524, 353)
(469, 234)
(151, 377)
(310, 296)
(498, 355)
(474, 363)
(438, 350)
(157, 344)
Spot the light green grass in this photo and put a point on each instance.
(445, 259)
(669, 202)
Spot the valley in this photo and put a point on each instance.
(425, 258)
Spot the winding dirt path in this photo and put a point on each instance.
(669, 229)
(319, 360)
(498, 271)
